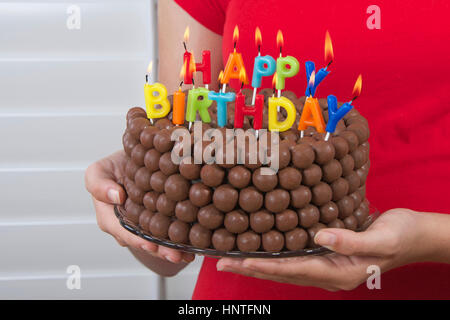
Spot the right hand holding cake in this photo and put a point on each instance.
(100, 179)
(398, 237)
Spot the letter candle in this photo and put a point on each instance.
(234, 64)
(222, 99)
(336, 114)
(152, 100)
(263, 66)
(283, 71)
(198, 101)
(241, 110)
(191, 67)
(179, 98)
(322, 73)
(311, 113)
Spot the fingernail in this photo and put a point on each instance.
(170, 259)
(326, 239)
(113, 196)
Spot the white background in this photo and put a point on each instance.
(63, 99)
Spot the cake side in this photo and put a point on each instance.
(234, 206)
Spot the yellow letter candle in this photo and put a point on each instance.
(155, 95)
(274, 124)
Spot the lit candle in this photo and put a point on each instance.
(274, 104)
(263, 67)
(152, 100)
(198, 101)
(191, 67)
(234, 64)
(336, 114)
(287, 67)
(311, 113)
(323, 72)
(241, 110)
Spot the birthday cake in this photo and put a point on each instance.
(317, 183)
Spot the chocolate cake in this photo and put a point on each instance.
(319, 184)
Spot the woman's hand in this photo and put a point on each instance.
(100, 179)
(393, 240)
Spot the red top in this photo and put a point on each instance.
(405, 97)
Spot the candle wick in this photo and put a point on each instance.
(259, 49)
(146, 78)
(235, 43)
(184, 44)
(193, 84)
(328, 64)
(181, 83)
(354, 98)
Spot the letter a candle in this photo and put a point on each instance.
(311, 114)
(234, 64)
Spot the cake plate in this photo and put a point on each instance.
(135, 229)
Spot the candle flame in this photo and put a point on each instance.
(258, 37)
(186, 34)
(357, 87)
(149, 68)
(235, 34)
(329, 54)
(220, 78)
(242, 75)
(274, 81)
(280, 40)
(312, 79)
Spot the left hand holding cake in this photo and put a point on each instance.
(398, 237)
(100, 179)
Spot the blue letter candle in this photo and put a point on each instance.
(335, 114)
(260, 71)
(222, 100)
(320, 75)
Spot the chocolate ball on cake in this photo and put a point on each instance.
(324, 151)
(163, 123)
(351, 138)
(340, 188)
(353, 182)
(223, 240)
(273, 241)
(212, 175)
(186, 211)
(138, 154)
(286, 220)
(336, 224)
(236, 221)
(360, 156)
(136, 126)
(142, 179)
(296, 239)
(200, 194)
(200, 236)
(157, 181)
(166, 164)
(351, 223)
(290, 178)
(264, 182)
(346, 207)
(150, 199)
(312, 175)
(225, 197)
(277, 200)
(360, 130)
(328, 212)
(189, 169)
(248, 241)
(239, 177)
(340, 146)
(147, 136)
(250, 199)
(136, 112)
(129, 142)
(308, 216)
(300, 197)
(321, 193)
(130, 170)
(144, 219)
(361, 215)
(179, 231)
(134, 193)
(210, 217)
(162, 141)
(261, 221)
(151, 160)
(284, 154)
(348, 164)
(165, 205)
(133, 210)
(177, 187)
(332, 170)
(159, 225)
(357, 199)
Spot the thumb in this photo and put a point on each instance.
(347, 242)
(100, 184)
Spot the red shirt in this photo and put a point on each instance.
(405, 97)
